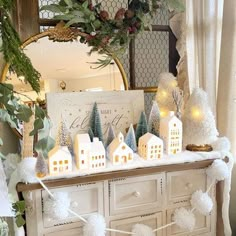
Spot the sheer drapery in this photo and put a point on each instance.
(203, 40)
(211, 60)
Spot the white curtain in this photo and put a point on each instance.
(203, 40)
(211, 60)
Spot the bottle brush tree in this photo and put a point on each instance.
(154, 119)
(130, 139)
(142, 126)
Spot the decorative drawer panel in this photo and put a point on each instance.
(135, 194)
(202, 226)
(182, 184)
(69, 232)
(153, 220)
(85, 199)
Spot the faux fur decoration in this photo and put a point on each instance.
(221, 144)
(185, 219)
(142, 230)
(10, 164)
(202, 202)
(26, 170)
(218, 170)
(199, 124)
(57, 208)
(96, 226)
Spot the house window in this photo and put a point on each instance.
(123, 147)
(66, 161)
(82, 162)
(60, 162)
(92, 158)
(55, 163)
(82, 151)
(55, 168)
(130, 156)
(116, 158)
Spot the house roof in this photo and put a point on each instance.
(97, 146)
(83, 138)
(170, 119)
(59, 149)
(148, 137)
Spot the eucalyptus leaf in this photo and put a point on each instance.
(19, 206)
(1, 142)
(75, 21)
(53, 8)
(44, 132)
(5, 117)
(64, 17)
(2, 157)
(20, 221)
(38, 124)
(85, 4)
(39, 112)
(45, 145)
(69, 3)
(24, 113)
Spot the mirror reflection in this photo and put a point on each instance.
(68, 67)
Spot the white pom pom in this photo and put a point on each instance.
(221, 144)
(10, 164)
(202, 202)
(57, 208)
(26, 170)
(218, 170)
(142, 230)
(185, 219)
(96, 226)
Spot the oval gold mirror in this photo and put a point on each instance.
(66, 65)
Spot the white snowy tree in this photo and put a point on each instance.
(63, 136)
(167, 83)
(154, 119)
(199, 124)
(110, 135)
(130, 139)
(41, 167)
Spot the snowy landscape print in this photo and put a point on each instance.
(119, 109)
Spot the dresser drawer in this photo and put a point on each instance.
(85, 199)
(153, 220)
(202, 226)
(182, 184)
(69, 232)
(135, 194)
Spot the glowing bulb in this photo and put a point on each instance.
(164, 93)
(196, 113)
(163, 112)
(174, 83)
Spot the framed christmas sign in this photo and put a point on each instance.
(116, 108)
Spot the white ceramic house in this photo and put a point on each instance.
(82, 147)
(171, 131)
(97, 157)
(150, 147)
(59, 160)
(119, 151)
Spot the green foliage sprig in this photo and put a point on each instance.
(13, 54)
(105, 34)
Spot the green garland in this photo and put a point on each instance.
(107, 35)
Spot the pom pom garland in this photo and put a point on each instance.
(142, 230)
(57, 207)
(96, 226)
(218, 170)
(26, 170)
(202, 202)
(185, 219)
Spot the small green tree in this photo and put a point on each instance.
(154, 119)
(95, 123)
(90, 133)
(142, 127)
(130, 139)
(110, 135)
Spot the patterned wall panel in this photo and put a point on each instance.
(151, 57)
(46, 14)
(148, 97)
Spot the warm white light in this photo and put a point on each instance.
(163, 112)
(196, 113)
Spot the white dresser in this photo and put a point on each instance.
(144, 195)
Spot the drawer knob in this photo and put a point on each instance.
(189, 185)
(137, 194)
